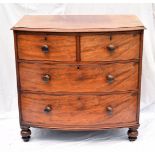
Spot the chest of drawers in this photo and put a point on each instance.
(79, 72)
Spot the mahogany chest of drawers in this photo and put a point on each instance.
(79, 72)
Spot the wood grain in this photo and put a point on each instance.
(69, 78)
(61, 48)
(140, 73)
(94, 48)
(82, 110)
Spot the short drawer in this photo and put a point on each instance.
(46, 47)
(78, 110)
(110, 47)
(84, 78)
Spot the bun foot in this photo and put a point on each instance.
(25, 133)
(26, 139)
(132, 134)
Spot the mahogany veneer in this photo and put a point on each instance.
(30, 47)
(79, 111)
(79, 72)
(88, 78)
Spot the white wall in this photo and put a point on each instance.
(11, 13)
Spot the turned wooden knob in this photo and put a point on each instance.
(111, 48)
(47, 109)
(45, 48)
(109, 110)
(110, 78)
(46, 77)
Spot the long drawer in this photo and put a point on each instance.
(78, 110)
(73, 78)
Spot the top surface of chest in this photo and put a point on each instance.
(79, 23)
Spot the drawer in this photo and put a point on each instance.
(106, 48)
(78, 110)
(86, 78)
(46, 47)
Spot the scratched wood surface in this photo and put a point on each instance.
(68, 78)
(94, 48)
(61, 48)
(82, 110)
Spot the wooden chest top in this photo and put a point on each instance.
(79, 23)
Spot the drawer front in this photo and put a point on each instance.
(106, 48)
(46, 47)
(79, 110)
(88, 78)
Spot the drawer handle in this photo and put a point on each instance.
(45, 48)
(48, 109)
(110, 78)
(111, 48)
(46, 77)
(109, 110)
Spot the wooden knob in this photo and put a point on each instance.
(110, 78)
(45, 48)
(47, 109)
(111, 48)
(46, 77)
(109, 110)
